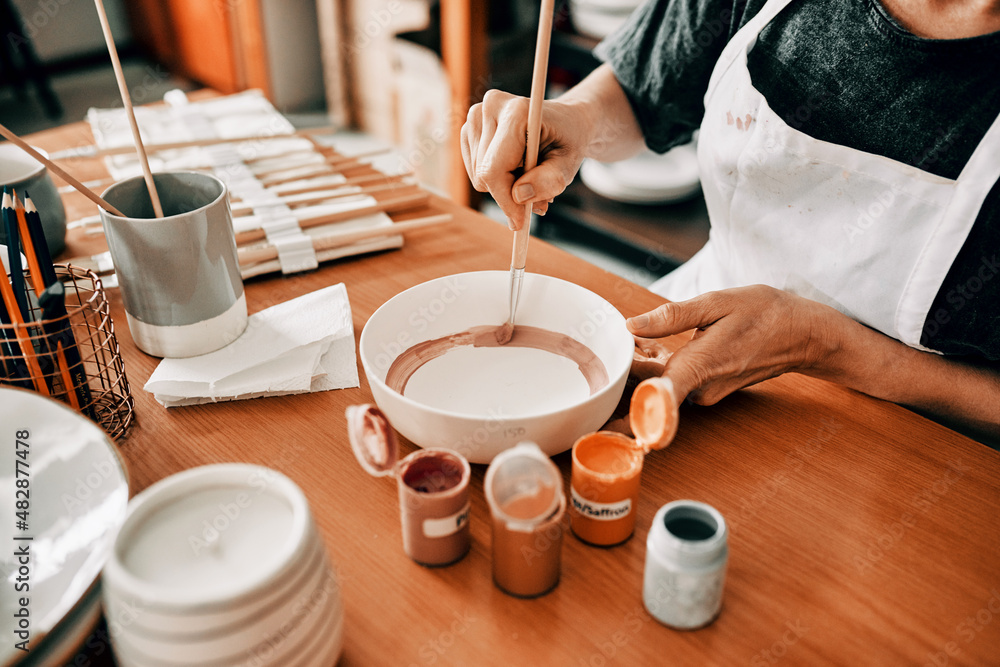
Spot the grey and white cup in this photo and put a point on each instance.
(179, 274)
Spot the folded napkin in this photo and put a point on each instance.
(302, 345)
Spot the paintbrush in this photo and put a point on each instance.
(129, 112)
(519, 252)
(58, 171)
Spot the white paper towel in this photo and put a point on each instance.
(302, 345)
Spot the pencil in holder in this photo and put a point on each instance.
(68, 350)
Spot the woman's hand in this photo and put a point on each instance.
(748, 334)
(493, 151)
(741, 336)
(594, 119)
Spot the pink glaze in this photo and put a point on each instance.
(407, 363)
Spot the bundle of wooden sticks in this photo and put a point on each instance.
(321, 188)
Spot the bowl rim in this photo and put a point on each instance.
(374, 380)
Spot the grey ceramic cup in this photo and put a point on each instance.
(20, 171)
(179, 275)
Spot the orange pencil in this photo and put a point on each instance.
(67, 380)
(27, 349)
(29, 249)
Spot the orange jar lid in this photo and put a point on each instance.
(653, 413)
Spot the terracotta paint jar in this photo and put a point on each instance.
(525, 493)
(433, 488)
(607, 466)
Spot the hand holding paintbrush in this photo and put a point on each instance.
(519, 253)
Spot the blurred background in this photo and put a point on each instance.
(402, 71)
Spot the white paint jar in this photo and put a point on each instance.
(686, 556)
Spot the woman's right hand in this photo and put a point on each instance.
(493, 146)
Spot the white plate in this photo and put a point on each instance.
(66, 641)
(78, 493)
(647, 178)
(598, 22)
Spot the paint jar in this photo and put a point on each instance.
(433, 487)
(604, 487)
(179, 275)
(607, 466)
(686, 555)
(524, 490)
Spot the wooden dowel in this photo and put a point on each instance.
(387, 206)
(241, 209)
(354, 180)
(262, 253)
(127, 101)
(95, 151)
(321, 169)
(59, 171)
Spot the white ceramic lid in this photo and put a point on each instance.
(212, 537)
(372, 439)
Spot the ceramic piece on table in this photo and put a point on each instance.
(481, 400)
(212, 563)
(78, 493)
(647, 178)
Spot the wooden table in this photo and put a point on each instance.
(861, 534)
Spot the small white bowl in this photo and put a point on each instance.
(210, 562)
(479, 401)
(275, 637)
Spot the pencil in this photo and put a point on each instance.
(23, 314)
(36, 232)
(23, 341)
(52, 298)
(71, 393)
(13, 363)
(34, 270)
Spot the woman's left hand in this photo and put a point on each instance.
(741, 336)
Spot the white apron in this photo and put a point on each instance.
(870, 236)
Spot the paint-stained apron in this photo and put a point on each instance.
(870, 236)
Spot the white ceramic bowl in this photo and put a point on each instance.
(480, 401)
(210, 562)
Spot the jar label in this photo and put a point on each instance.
(600, 511)
(448, 525)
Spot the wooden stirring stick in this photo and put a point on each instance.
(127, 101)
(58, 171)
(519, 252)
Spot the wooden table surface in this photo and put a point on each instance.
(861, 534)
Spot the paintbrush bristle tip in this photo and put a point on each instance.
(504, 333)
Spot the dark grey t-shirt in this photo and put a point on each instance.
(841, 71)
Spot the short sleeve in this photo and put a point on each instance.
(663, 58)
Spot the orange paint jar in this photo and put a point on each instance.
(604, 487)
(607, 466)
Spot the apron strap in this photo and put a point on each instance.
(743, 40)
(974, 183)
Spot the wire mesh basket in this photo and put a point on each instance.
(72, 356)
